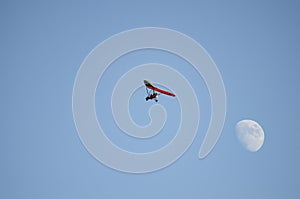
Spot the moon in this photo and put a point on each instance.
(250, 134)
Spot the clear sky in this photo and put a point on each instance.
(255, 45)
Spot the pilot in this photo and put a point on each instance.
(152, 96)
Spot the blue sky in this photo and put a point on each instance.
(255, 46)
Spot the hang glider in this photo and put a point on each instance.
(154, 95)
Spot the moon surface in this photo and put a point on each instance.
(250, 134)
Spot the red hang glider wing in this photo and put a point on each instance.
(162, 91)
(152, 87)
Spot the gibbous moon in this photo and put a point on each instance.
(250, 134)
